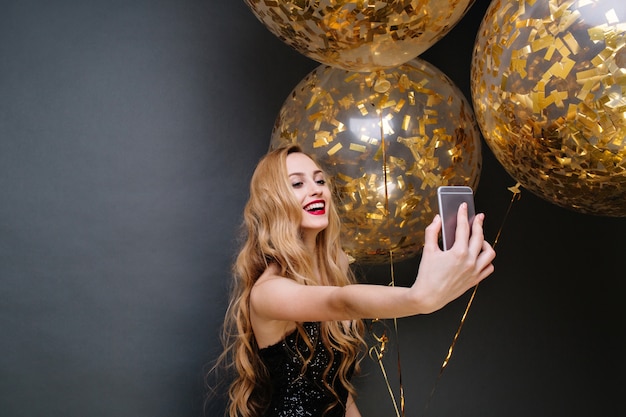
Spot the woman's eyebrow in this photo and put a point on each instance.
(319, 171)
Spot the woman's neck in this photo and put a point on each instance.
(310, 241)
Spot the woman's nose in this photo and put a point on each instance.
(316, 189)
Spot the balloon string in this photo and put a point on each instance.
(516, 196)
(377, 353)
(395, 324)
(379, 356)
(393, 277)
(382, 368)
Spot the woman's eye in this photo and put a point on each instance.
(321, 182)
(296, 184)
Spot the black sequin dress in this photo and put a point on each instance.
(296, 395)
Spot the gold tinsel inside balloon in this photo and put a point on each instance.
(548, 86)
(388, 138)
(360, 35)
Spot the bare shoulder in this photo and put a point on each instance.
(276, 300)
(269, 278)
(269, 289)
(268, 331)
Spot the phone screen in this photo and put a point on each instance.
(450, 198)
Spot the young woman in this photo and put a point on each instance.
(293, 329)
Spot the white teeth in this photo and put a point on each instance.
(314, 206)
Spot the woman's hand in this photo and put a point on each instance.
(446, 275)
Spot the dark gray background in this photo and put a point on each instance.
(128, 133)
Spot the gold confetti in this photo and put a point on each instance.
(395, 148)
(548, 86)
(359, 35)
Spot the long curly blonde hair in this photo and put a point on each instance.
(271, 234)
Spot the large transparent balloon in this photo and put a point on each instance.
(360, 35)
(388, 138)
(548, 87)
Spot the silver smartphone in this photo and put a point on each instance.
(450, 198)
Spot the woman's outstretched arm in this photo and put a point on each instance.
(442, 277)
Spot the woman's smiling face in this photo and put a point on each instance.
(308, 183)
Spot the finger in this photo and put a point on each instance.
(431, 234)
(477, 238)
(462, 225)
(484, 262)
(488, 252)
(485, 272)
